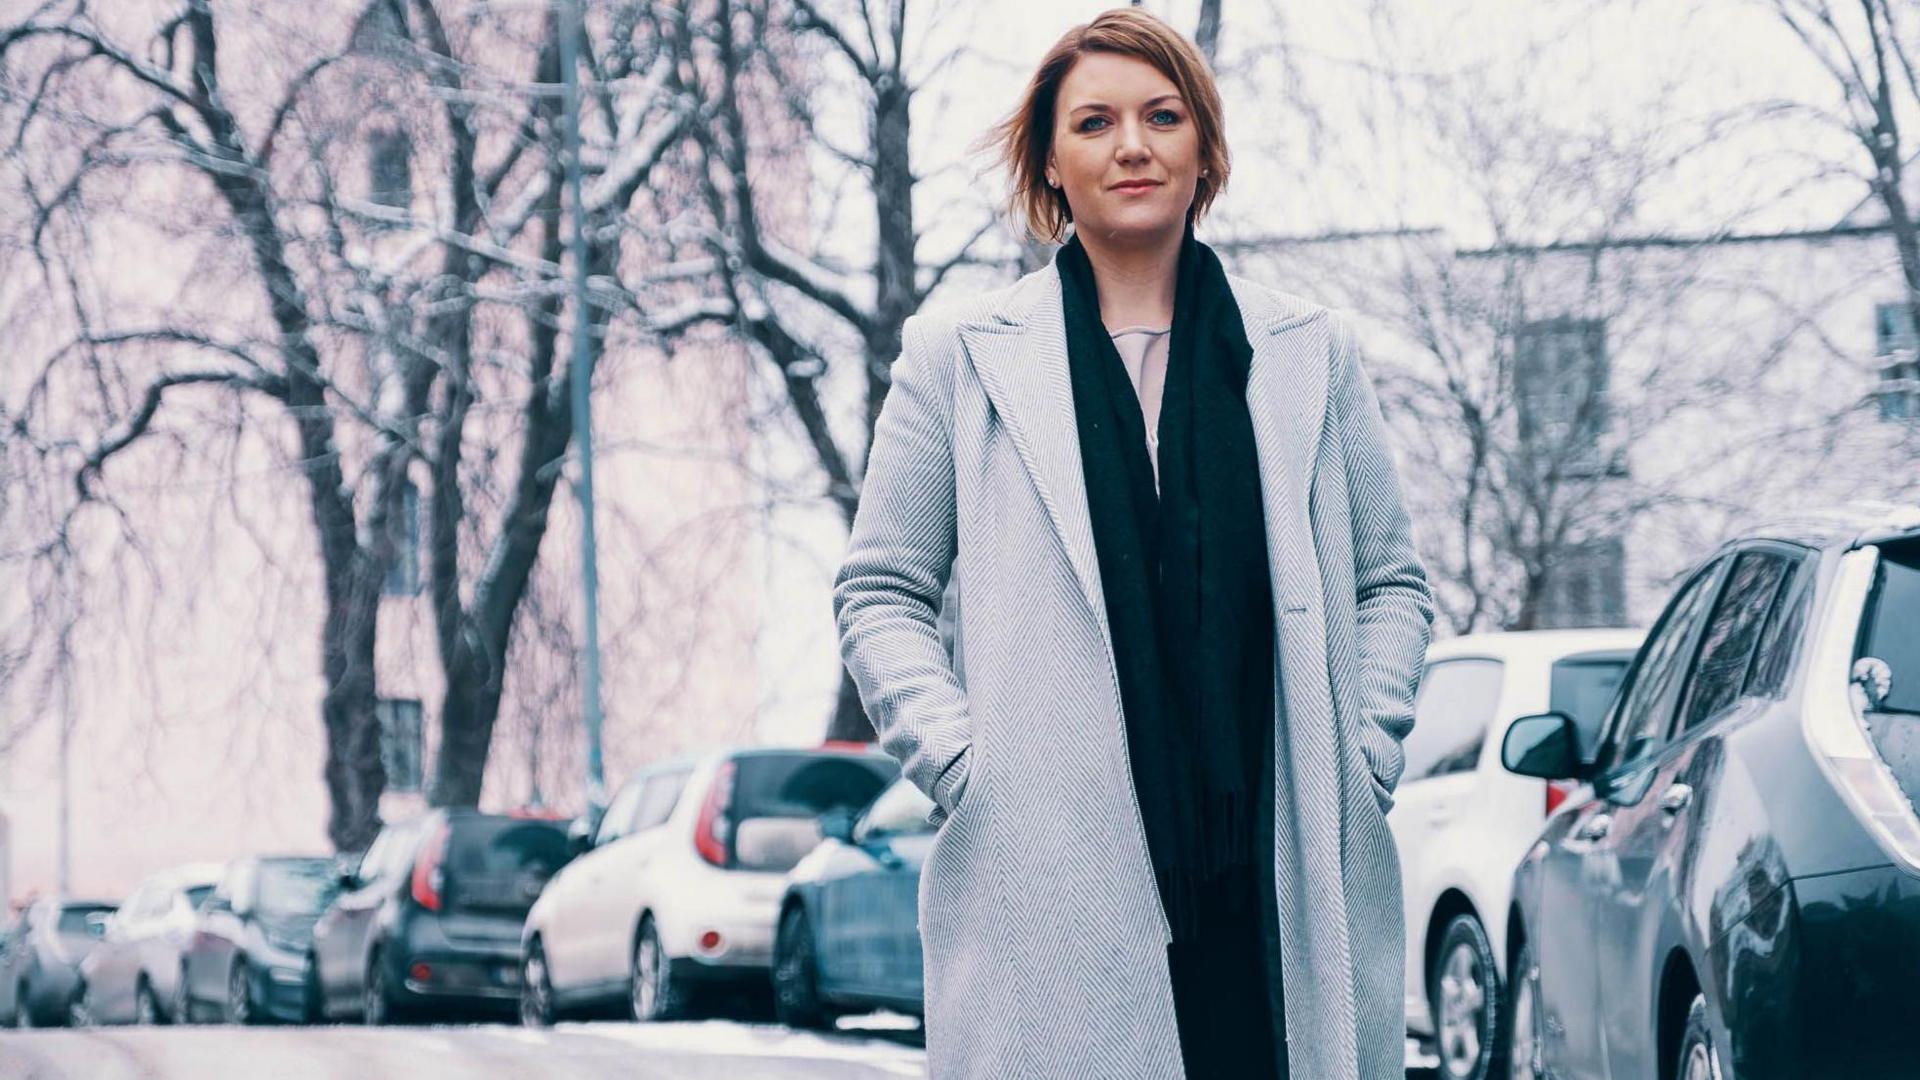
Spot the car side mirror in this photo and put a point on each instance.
(837, 824)
(580, 835)
(1546, 745)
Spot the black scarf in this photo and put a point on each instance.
(1185, 578)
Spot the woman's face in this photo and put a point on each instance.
(1125, 150)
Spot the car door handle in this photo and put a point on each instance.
(1594, 828)
(1675, 799)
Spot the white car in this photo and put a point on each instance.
(681, 881)
(1462, 822)
(135, 970)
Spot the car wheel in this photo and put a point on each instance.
(313, 1002)
(239, 994)
(536, 988)
(1525, 1049)
(796, 990)
(1699, 1060)
(146, 1008)
(376, 1007)
(1464, 994)
(80, 1011)
(654, 994)
(181, 1008)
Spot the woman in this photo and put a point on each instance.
(1189, 628)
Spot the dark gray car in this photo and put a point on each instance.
(247, 961)
(432, 916)
(40, 958)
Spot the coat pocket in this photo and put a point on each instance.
(1380, 793)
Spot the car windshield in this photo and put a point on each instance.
(76, 921)
(301, 887)
(197, 895)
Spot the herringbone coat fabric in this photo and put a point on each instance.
(1043, 933)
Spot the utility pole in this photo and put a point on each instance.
(65, 865)
(580, 374)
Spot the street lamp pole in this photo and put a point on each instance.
(579, 374)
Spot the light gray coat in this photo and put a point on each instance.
(1043, 933)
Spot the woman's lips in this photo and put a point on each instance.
(1134, 187)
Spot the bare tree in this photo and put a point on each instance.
(1869, 49)
(760, 69)
(390, 322)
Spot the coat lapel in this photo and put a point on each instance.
(1020, 356)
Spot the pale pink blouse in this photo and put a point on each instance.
(1143, 349)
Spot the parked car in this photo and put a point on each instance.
(1734, 888)
(431, 915)
(248, 954)
(40, 958)
(848, 936)
(133, 974)
(683, 880)
(1461, 821)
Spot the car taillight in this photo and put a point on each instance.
(1556, 794)
(1835, 729)
(428, 880)
(710, 829)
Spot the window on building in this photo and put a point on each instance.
(403, 572)
(1560, 385)
(1896, 345)
(390, 168)
(401, 742)
(1585, 585)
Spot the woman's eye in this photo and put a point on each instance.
(1165, 116)
(1087, 124)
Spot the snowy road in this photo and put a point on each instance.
(696, 1051)
(714, 1050)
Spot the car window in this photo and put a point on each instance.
(295, 886)
(1451, 711)
(78, 920)
(902, 808)
(1892, 629)
(1733, 630)
(1638, 727)
(658, 799)
(391, 855)
(499, 846)
(1780, 641)
(1582, 686)
(197, 895)
(618, 819)
(806, 785)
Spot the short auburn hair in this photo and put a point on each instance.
(1024, 139)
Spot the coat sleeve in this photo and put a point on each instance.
(1392, 597)
(887, 593)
